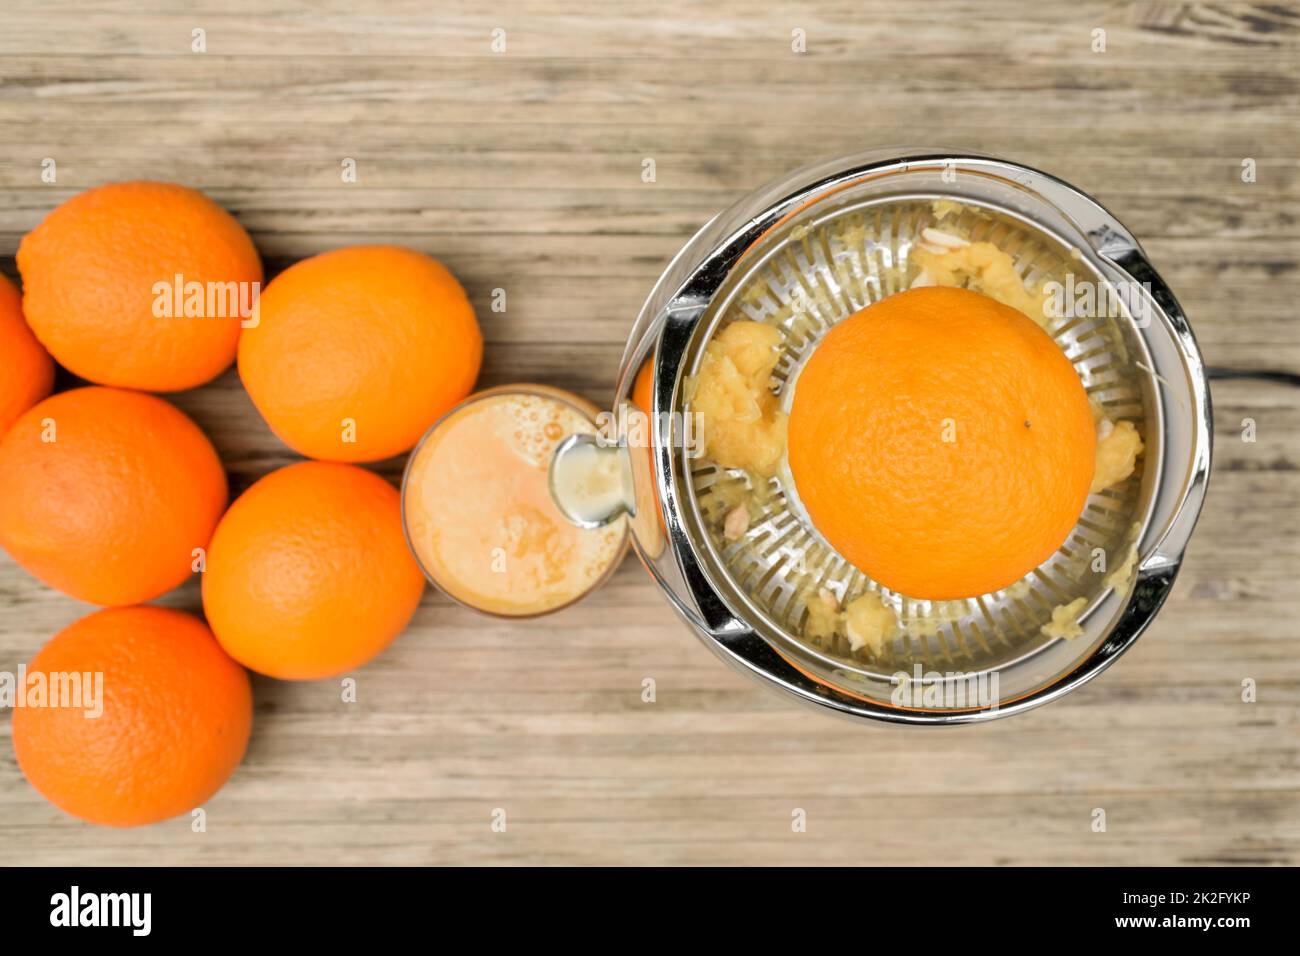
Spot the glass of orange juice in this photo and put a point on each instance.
(478, 510)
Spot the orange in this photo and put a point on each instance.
(309, 575)
(29, 372)
(105, 494)
(176, 714)
(104, 274)
(643, 385)
(941, 442)
(359, 351)
(643, 399)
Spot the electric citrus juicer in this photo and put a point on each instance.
(806, 252)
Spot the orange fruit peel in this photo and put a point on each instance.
(175, 716)
(941, 442)
(108, 495)
(308, 573)
(29, 372)
(100, 278)
(358, 351)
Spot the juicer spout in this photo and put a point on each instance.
(591, 482)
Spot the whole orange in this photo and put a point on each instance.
(358, 351)
(29, 372)
(105, 494)
(174, 722)
(309, 575)
(112, 280)
(941, 442)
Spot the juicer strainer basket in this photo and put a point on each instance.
(804, 254)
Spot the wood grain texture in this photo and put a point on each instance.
(521, 170)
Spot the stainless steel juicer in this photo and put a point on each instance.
(804, 253)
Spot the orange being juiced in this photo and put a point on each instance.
(479, 513)
(942, 443)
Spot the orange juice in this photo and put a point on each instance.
(478, 509)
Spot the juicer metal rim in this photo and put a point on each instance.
(719, 626)
(728, 291)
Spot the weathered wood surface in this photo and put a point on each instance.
(522, 170)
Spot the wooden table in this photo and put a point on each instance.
(522, 170)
